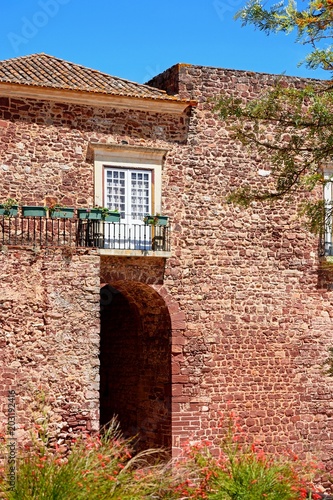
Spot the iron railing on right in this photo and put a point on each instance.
(325, 245)
(41, 231)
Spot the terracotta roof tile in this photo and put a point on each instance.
(42, 70)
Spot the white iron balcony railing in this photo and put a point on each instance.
(42, 231)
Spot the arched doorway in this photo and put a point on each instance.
(135, 361)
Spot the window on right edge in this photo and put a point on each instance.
(328, 199)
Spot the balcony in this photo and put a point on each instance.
(110, 238)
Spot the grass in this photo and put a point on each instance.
(104, 467)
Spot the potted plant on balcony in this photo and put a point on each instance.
(112, 215)
(156, 220)
(9, 207)
(89, 213)
(57, 211)
(34, 211)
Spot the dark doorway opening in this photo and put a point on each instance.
(136, 363)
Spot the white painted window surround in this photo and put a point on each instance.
(136, 164)
(129, 179)
(129, 191)
(328, 197)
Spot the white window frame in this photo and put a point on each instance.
(131, 157)
(125, 176)
(328, 198)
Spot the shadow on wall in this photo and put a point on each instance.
(135, 361)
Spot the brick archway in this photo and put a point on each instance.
(178, 379)
(176, 315)
(149, 273)
(136, 328)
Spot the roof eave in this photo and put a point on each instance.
(159, 105)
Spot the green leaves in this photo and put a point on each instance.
(291, 129)
(329, 362)
(278, 18)
(313, 24)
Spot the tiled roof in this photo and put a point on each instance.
(42, 70)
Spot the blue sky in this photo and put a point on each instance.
(139, 39)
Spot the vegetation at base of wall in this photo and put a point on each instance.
(104, 467)
(96, 467)
(241, 471)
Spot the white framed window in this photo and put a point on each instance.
(129, 191)
(328, 199)
(129, 179)
(125, 158)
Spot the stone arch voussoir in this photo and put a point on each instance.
(177, 316)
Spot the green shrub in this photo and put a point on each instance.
(97, 467)
(241, 472)
(104, 467)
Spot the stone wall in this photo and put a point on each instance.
(45, 157)
(250, 310)
(49, 325)
(258, 309)
(49, 142)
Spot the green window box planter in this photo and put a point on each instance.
(156, 220)
(62, 213)
(34, 211)
(9, 212)
(89, 213)
(112, 217)
(162, 220)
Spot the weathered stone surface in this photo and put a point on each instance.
(258, 307)
(250, 308)
(50, 336)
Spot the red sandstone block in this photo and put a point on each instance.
(178, 321)
(175, 368)
(180, 379)
(177, 390)
(195, 406)
(176, 452)
(178, 340)
(180, 399)
(242, 340)
(176, 349)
